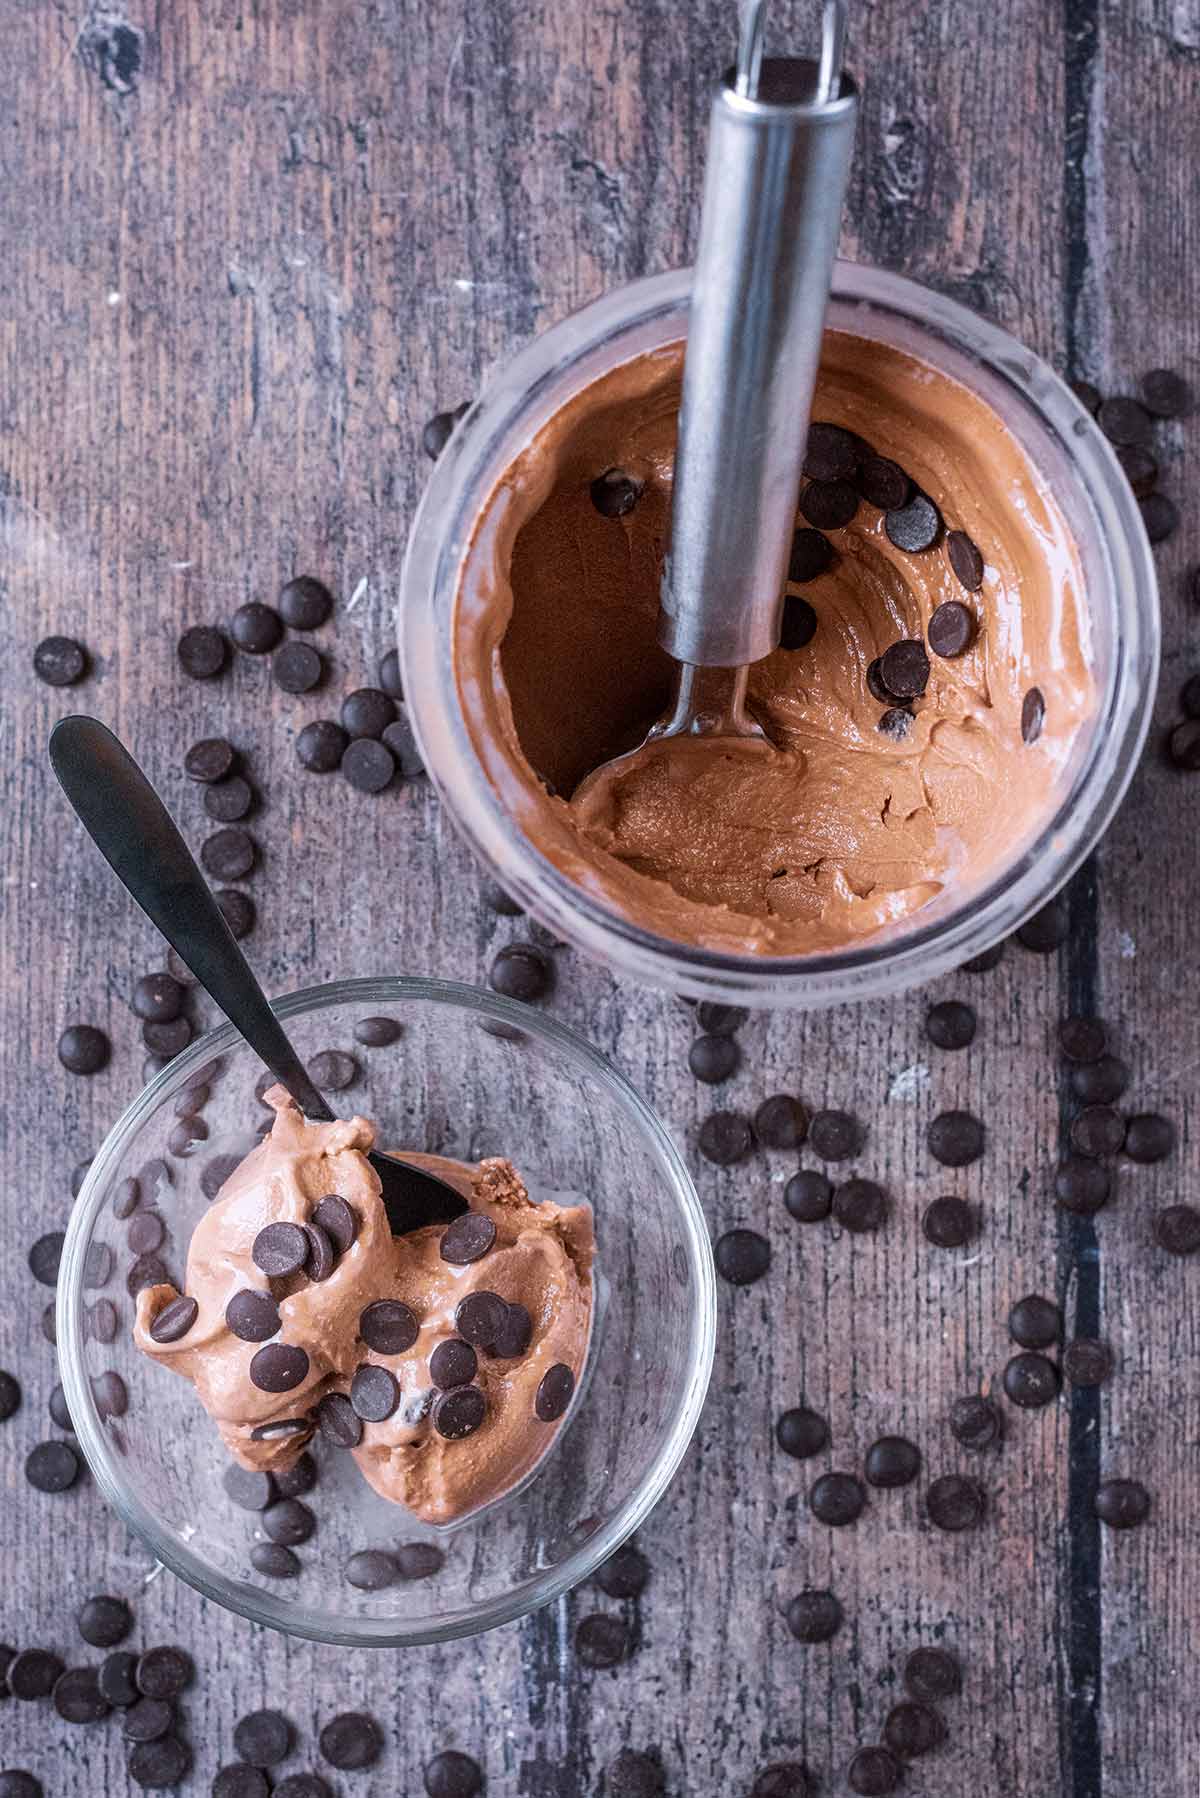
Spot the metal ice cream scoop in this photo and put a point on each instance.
(780, 139)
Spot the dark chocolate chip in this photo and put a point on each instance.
(808, 1196)
(975, 1422)
(625, 1574)
(498, 900)
(104, 1621)
(302, 1785)
(147, 1270)
(280, 1249)
(813, 1616)
(57, 1407)
(873, 1772)
(263, 1738)
(713, 1059)
(295, 1481)
(1183, 746)
(274, 1561)
(1082, 1039)
(256, 628)
(949, 1223)
(884, 484)
(915, 526)
(77, 1696)
(338, 1421)
(377, 1033)
(950, 1024)
(228, 800)
(781, 1122)
(388, 1326)
(1030, 1380)
(1160, 515)
(453, 1775)
(860, 1206)
(1035, 1322)
(237, 909)
(367, 712)
(829, 505)
(515, 1334)
(437, 433)
(147, 1719)
(614, 493)
(1082, 1185)
(801, 1433)
(716, 1019)
(1100, 1082)
(965, 559)
(452, 1363)
(371, 1570)
(1140, 468)
(52, 1466)
(79, 1174)
(164, 1672)
(896, 722)
(419, 1560)
(1088, 395)
(375, 1395)
(742, 1256)
(931, 1675)
(252, 1316)
(305, 603)
(521, 971)
(60, 661)
(321, 1260)
(45, 1257)
(834, 1135)
(1087, 1361)
(601, 1641)
(1124, 420)
(1166, 393)
(158, 998)
(161, 1763)
(837, 1499)
(333, 1070)
(985, 961)
(831, 453)
(460, 1412)
(337, 1220)
(239, 1781)
(1177, 1229)
(799, 624)
(321, 745)
(297, 667)
(951, 629)
(904, 668)
(116, 1675)
(955, 1502)
(480, 1318)
(401, 741)
(10, 1397)
(1149, 1137)
(248, 1489)
(167, 1040)
(49, 1323)
(351, 1741)
(1033, 715)
(875, 686)
(955, 1138)
(390, 677)
(228, 855)
(33, 1673)
(83, 1049)
(911, 1729)
(279, 1367)
(201, 651)
(111, 1395)
(1098, 1131)
(810, 557)
(1122, 1504)
(289, 1522)
(554, 1393)
(468, 1238)
(892, 1461)
(1189, 696)
(212, 758)
(725, 1137)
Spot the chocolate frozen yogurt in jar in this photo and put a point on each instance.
(966, 663)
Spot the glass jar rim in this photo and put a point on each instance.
(261, 1605)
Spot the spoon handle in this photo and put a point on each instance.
(136, 835)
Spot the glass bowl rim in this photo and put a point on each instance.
(262, 1606)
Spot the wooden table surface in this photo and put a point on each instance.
(250, 246)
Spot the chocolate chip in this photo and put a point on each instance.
(237, 909)
(201, 651)
(479, 1318)
(813, 1616)
(955, 1502)
(720, 1020)
(782, 1779)
(799, 624)
(452, 1363)
(351, 1741)
(256, 628)
(808, 1196)
(299, 1478)
(895, 722)
(52, 1466)
(860, 1206)
(1189, 696)
(521, 971)
(514, 1335)
(1082, 1039)
(498, 900)
(780, 1122)
(601, 1641)
(1160, 516)
(1035, 1322)
(280, 1249)
(892, 1461)
(10, 1397)
(371, 1570)
(280, 1429)
(367, 712)
(625, 1574)
(955, 1138)
(279, 1367)
(161, 1763)
(915, 526)
(49, 1324)
(951, 629)
(742, 1256)
(1031, 1381)
(713, 1059)
(212, 758)
(302, 1785)
(1177, 1229)
(60, 661)
(873, 1772)
(1140, 468)
(164, 1672)
(419, 1560)
(147, 1720)
(904, 668)
(263, 1738)
(377, 1033)
(57, 1407)
(158, 998)
(911, 1729)
(975, 1422)
(1149, 1137)
(116, 1678)
(79, 1174)
(1183, 746)
(1082, 1185)
(83, 1049)
(167, 1040)
(949, 1223)
(811, 556)
(104, 1621)
(147, 1270)
(338, 1421)
(252, 1316)
(1033, 715)
(228, 855)
(831, 453)
(725, 1137)
(239, 1781)
(45, 1257)
(1100, 1082)
(801, 1433)
(614, 493)
(1165, 393)
(1124, 420)
(468, 1238)
(1088, 395)
(965, 560)
(247, 1488)
(389, 1326)
(289, 1522)
(305, 603)
(33, 1673)
(932, 1675)
(375, 1395)
(228, 800)
(298, 667)
(950, 1025)
(453, 1775)
(402, 743)
(1122, 1504)
(321, 745)
(554, 1393)
(460, 1412)
(834, 1135)
(837, 1499)
(829, 505)
(1098, 1131)
(883, 483)
(1087, 1361)
(273, 1561)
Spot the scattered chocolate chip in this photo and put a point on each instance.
(601, 1641)
(52, 1466)
(256, 628)
(895, 722)
(554, 1393)
(1100, 1082)
(302, 1785)
(83, 1049)
(873, 1772)
(1098, 1131)
(514, 1335)
(297, 667)
(831, 453)
(45, 1257)
(274, 1561)
(498, 900)
(60, 661)
(161, 1763)
(239, 1781)
(955, 1502)
(298, 1479)
(782, 1779)
(377, 1033)
(289, 1522)
(1087, 1361)
(321, 1260)
(1140, 468)
(390, 677)
(716, 1019)
(1166, 393)
(111, 1395)
(201, 651)
(263, 1738)
(468, 1238)
(614, 493)
(77, 1696)
(226, 801)
(829, 505)
(1160, 516)
(279, 1367)
(338, 1421)
(985, 961)
(1035, 1322)
(813, 1616)
(1177, 1229)
(932, 1675)
(401, 741)
(351, 1741)
(252, 1316)
(371, 1570)
(742, 1256)
(1122, 1504)
(389, 1326)
(116, 1677)
(951, 629)
(237, 909)
(167, 1040)
(949, 1223)
(375, 1395)
(104, 1621)
(49, 1322)
(811, 556)
(912, 1728)
(913, 527)
(57, 1407)
(965, 559)
(419, 1560)
(1030, 1380)
(212, 758)
(875, 686)
(884, 484)
(305, 603)
(801, 1433)
(10, 1401)
(460, 1412)
(33, 1673)
(453, 1775)
(367, 712)
(950, 1025)
(79, 1174)
(146, 1720)
(280, 1249)
(625, 1573)
(1082, 1185)
(725, 1137)
(228, 855)
(892, 1461)
(452, 1363)
(975, 1422)
(1124, 420)
(158, 998)
(147, 1270)
(713, 1059)
(1082, 1039)
(480, 1318)
(834, 1135)
(321, 745)
(1088, 395)
(808, 1196)
(248, 1489)
(1183, 746)
(164, 1672)
(521, 971)
(955, 1138)
(837, 1499)
(904, 668)
(780, 1122)
(1149, 1137)
(860, 1206)
(799, 624)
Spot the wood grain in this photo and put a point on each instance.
(249, 248)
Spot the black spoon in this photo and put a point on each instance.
(136, 835)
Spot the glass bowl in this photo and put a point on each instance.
(1063, 442)
(472, 1075)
